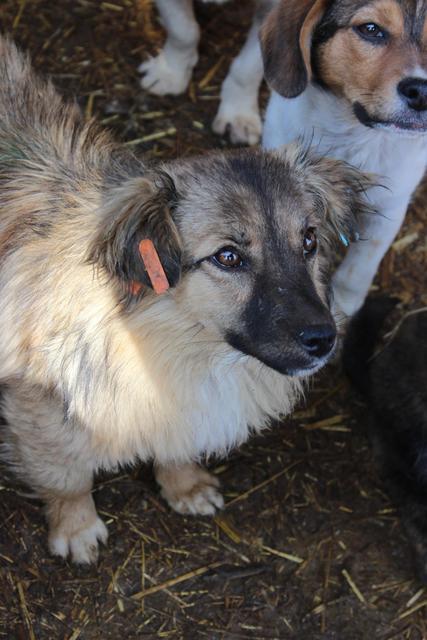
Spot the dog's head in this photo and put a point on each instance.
(243, 240)
(371, 53)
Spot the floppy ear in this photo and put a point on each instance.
(286, 37)
(339, 191)
(140, 209)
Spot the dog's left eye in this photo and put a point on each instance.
(309, 242)
(371, 31)
(228, 258)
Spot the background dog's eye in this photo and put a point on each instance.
(228, 257)
(372, 31)
(309, 242)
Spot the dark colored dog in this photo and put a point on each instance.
(395, 383)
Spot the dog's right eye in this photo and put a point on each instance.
(372, 32)
(227, 258)
(309, 242)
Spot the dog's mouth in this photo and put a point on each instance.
(309, 371)
(412, 124)
(292, 363)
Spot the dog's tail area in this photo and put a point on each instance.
(38, 128)
(361, 339)
(11, 57)
(27, 102)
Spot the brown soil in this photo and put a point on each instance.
(308, 545)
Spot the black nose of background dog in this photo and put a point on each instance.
(414, 92)
(318, 340)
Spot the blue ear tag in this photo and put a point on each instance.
(344, 240)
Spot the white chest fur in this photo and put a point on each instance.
(177, 395)
(327, 123)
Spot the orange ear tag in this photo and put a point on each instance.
(153, 266)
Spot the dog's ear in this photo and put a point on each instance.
(286, 37)
(139, 209)
(340, 195)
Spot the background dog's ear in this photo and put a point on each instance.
(139, 209)
(286, 37)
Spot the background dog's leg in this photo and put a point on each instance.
(189, 489)
(53, 456)
(170, 71)
(355, 274)
(238, 111)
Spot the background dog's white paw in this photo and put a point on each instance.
(188, 489)
(162, 77)
(242, 127)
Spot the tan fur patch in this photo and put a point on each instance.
(364, 72)
(312, 19)
(286, 42)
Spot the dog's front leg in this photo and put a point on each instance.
(74, 526)
(238, 111)
(189, 489)
(354, 276)
(170, 71)
(55, 458)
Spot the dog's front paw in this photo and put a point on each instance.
(75, 529)
(203, 499)
(83, 546)
(162, 77)
(188, 489)
(242, 127)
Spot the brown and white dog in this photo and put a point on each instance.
(170, 71)
(98, 370)
(352, 77)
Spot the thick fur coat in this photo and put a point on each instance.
(97, 369)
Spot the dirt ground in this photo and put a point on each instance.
(308, 545)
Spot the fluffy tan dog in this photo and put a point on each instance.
(98, 369)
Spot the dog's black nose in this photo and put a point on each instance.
(414, 92)
(318, 339)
